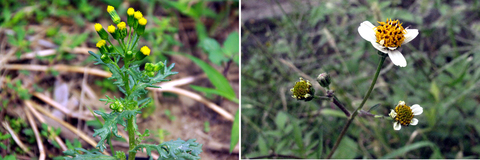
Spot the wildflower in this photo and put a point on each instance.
(101, 32)
(113, 31)
(122, 27)
(138, 15)
(101, 46)
(141, 26)
(113, 14)
(142, 53)
(403, 115)
(303, 90)
(130, 17)
(387, 38)
(324, 80)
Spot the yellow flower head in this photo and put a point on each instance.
(145, 50)
(111, 29)
(98, 27)
(110, 9)
(142, 21)
(404, 115)
(101, 43)
(122, 26)
(130, 11)
(138, 15)
(390, 33)
(303, 90)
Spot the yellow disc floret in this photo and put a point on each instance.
(130, 11)
(390, 33)
(404, 114)
(122, 26)
(110, 9)
(138, 15)
(145, 50)
(302, 90)
(101, 43)
(142, 21)
(111, 29)
(98, 27)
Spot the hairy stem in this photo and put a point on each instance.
(355, 113)
(131, 138)
(340, 105)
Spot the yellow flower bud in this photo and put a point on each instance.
(110, 9)
(101, 43)
(98, 27)
(138, 15)
(145, 50)
(142, 21)
(111, 29)
(130, 11)
(122, 26)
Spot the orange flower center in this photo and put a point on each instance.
(390, 33)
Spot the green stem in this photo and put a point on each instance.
(109, 141)
(131, 138)
(136, 40)
(355, 113)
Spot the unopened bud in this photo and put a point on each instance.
(324, 80)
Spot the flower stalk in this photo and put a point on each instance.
(355, 113)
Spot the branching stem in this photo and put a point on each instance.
(355, 113)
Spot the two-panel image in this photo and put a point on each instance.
(239, 79)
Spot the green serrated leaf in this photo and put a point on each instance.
(110, 126)
(172, 150)
(75, 153)
(234, 135)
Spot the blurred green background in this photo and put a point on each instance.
(289, 39)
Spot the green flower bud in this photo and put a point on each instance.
(101, 46)
(110, 49)
(106, 59)
(113, 14)
(149, 67)
(324, 80)
(130, 18)
(158, 66)
(142, 53)
(113, 31)
(141, 26)
(101, 32)
(128, 55)
(151, 74)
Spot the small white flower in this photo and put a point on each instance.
(387, 37)
(403, 115)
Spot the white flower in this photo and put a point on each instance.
(403, 115)
(387, 37)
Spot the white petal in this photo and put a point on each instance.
(392, 114)
(417, 109)
(397, 126)
(366, 31)
(379, 47)
(410, 35)
(397, 58)
(414, 122)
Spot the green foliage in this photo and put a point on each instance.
(132, 81)
(169, 114)
(9, 157)
(78, 155)
(110, 126)
(235, 134)
(178, 149)
(441, 75)
(222, 86)
(218, 54)
(4, 137)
